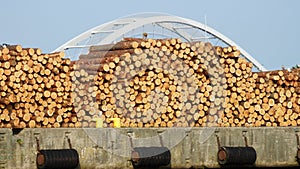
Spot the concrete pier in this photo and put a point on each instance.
(111, 147)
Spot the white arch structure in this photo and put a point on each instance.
(186, 29)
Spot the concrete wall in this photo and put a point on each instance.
(111, 148)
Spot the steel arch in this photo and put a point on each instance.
(125, 25)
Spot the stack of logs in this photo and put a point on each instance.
(169, 83)
(144, 83)
(275, 100)
(36, 89)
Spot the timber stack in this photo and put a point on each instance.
(144, 83)
(36, 89)
(169, 83)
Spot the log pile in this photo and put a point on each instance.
(35, 88)
(169, 83)
(276, 99)
(157, 83)
(144, 83)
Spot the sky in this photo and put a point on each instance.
(269, 30)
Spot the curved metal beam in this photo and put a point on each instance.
(133, 23)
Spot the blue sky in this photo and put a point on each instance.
(267, 29)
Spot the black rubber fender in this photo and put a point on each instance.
(57, 159)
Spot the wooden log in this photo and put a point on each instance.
(122, 45)
(104, 54)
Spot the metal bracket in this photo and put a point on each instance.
(37, 141)
(298, 140)
(298, 147)
(160, 138)
(218, 139)
(129, 133)
(245, 138)
(68, 139)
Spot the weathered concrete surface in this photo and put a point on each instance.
(111, 148)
